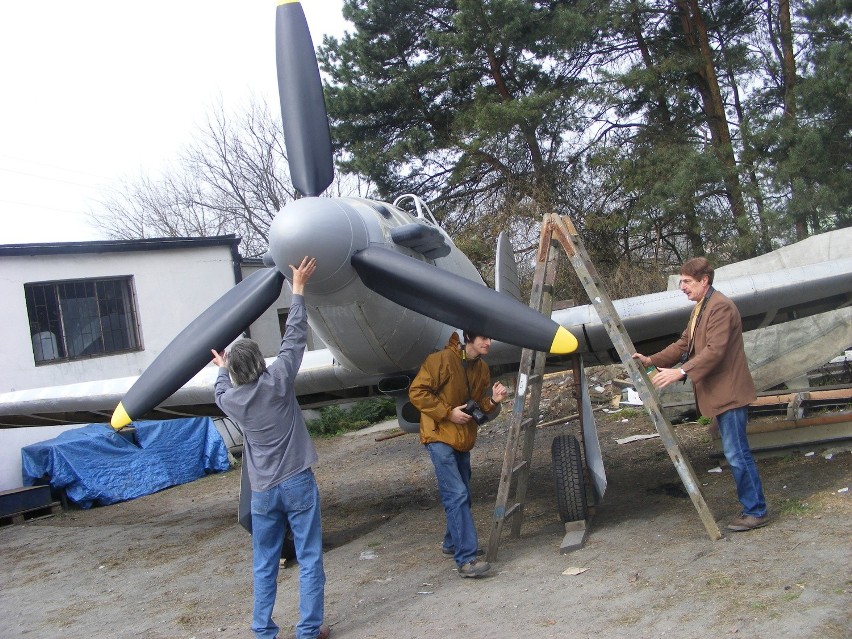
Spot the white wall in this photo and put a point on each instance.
(173, 286)
(266, 331)
(13, 440)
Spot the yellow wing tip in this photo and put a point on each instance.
(563, 342)
(120, 418)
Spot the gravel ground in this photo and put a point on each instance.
(176, 564)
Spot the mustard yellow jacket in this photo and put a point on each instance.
(447, 380)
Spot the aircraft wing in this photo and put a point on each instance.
(320, 381)
(653, 321)
(806, 279)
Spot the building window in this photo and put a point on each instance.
(283, 313)
(78, 319)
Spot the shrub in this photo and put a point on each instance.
(334, 420)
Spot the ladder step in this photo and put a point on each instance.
(511, 511)
(520, 466)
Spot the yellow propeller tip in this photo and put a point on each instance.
(120, 418)
(563, 342)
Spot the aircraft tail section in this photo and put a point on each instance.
(506, 269)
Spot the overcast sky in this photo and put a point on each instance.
(98, 90)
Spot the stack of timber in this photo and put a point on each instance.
(813, 416)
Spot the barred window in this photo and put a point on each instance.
(78, 319)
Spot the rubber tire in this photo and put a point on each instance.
(569, 478)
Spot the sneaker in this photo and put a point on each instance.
(324, 632)
(449, 552)
(474, 568)
(747, 522)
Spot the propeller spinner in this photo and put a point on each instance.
(414, 284)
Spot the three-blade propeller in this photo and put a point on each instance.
(426, 289)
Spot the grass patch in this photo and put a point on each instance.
(720, 581)
(630, 412)
(759, 606)
(334, 420)
(794, 507)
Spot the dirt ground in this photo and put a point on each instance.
(177, 565)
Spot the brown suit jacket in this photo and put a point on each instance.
(717, 365)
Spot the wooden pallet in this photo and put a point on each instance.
(33, 513)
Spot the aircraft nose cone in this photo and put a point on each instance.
(323, 228)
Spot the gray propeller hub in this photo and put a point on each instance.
(330, 230)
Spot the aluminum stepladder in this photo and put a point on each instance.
(560, 229)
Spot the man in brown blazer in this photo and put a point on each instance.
(710, 352)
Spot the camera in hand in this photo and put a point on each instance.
(473, 409)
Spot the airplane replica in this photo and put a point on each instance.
(391, 286)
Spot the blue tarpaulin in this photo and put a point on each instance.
(95, 464)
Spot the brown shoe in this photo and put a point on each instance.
(747, 522)
(325, 632)
(474, 568)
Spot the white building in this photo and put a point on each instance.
(88, 311)
(84, 311)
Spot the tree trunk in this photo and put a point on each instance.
(788, 74)
(695, 33)
(693, 232)
(747, 159)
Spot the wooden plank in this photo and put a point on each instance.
(783, 434)
(809, 395)
(816, 434)
(789, 424)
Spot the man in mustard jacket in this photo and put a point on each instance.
(442, 391)
(710, 352)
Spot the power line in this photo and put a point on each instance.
(52, 166)
(40, 206)
(49, 179)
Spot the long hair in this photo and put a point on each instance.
(245, 363)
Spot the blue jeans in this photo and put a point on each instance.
(452, 469)
(295, 500)
(732, 428)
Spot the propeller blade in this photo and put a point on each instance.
(189, 352)
(459, 302)
(306, 134)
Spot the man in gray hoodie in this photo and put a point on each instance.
(278, 453)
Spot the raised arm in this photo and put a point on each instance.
(302, 274)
